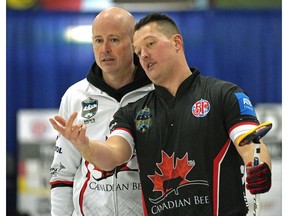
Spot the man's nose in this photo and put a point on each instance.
(144, 54)
(106, 47)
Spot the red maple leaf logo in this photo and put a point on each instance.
(171, 176)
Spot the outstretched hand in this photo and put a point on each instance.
(75, 133)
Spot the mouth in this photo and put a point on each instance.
(108, 59)
(149, 65)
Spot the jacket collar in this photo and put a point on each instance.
(95, 77)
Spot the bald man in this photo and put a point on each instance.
(114, 79)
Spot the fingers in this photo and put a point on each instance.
(82, 134)
(75, 133)
(69, 124)
(262, 186)
(60, 120)
(258, 171)
(56, 126)
(77, 128)
(258, 179)
(61, 125)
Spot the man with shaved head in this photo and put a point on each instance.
(114, 79)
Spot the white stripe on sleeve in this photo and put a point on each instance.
(127, 136)
(236, 132)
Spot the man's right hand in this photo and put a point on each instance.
(75, 133)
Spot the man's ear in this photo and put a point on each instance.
(178, 41)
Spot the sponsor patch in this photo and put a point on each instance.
(245, 105)
(201, 108)
(143, 120)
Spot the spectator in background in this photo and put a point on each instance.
(185, 132)
(114, 80)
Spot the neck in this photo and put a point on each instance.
(120, 79)
(176, 80)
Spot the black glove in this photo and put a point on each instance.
(258, 178)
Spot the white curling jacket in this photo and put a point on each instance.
(77, 187)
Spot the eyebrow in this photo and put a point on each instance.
(148, 37)
(111, 35)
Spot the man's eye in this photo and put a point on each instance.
(114, 39)
(138, 53)
(150, 44)
(97, 41)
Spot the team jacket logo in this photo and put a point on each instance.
(201, 108)
(89, 108)
(143, 120)
(172, 176)
(101, 174)
(54, 171)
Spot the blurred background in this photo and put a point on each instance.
(48, 48)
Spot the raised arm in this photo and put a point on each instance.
(104, 155)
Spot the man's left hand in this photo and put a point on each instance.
(258, 178)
